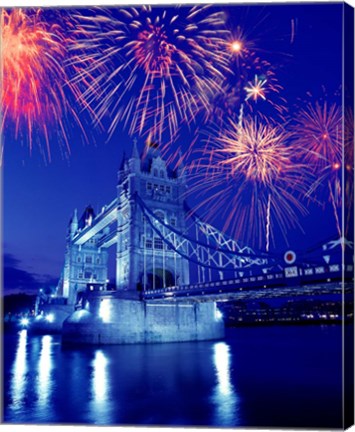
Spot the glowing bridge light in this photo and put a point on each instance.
(105, 310)
(25, 322)
(218, 314)
(50, 318)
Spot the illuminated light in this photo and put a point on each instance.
(236, 46)
(336, 165)
(218, 314)
(105, 310)
(50, 318)
(25, 322)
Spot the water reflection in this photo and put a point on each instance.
(44, 371)
(100, 387)
(19, 370)
(99, 379)
(188, 384)
(224, 395)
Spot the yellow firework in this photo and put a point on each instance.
(248, 177)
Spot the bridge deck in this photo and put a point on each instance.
(257, 293)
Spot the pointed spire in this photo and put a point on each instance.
(75, 217)
(135, 153)
(73, 228)
(123, 162)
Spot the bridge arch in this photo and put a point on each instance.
(159, 278)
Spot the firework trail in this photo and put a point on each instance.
(154, 66)
(248, 176)
(34, 90)
(317, 134)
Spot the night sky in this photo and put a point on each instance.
(39, 197)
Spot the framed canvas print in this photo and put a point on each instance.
(178, 215)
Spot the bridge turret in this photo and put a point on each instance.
(143, 259)
(73, 226)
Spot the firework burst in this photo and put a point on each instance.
(249, 174)
(251, 78)
(318, 139)
(155, 65)
(256, 89)
(34, 89)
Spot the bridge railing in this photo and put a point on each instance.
(290, 276)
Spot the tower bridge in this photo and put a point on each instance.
(165, 254)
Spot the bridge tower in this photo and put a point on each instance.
(83, 263)
(144, 261)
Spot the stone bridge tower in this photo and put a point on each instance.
(144, 261)
(83, 264)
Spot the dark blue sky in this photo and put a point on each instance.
(39, 198)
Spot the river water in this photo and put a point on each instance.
(281, 376)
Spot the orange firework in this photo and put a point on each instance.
(34, 81)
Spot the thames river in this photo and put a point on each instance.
(259, 376)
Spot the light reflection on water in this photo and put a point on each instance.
(193, 383)
(100, 389)
(45, 384)
(99, 382)
(224, 395)
(121, 384)
(19, 370)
